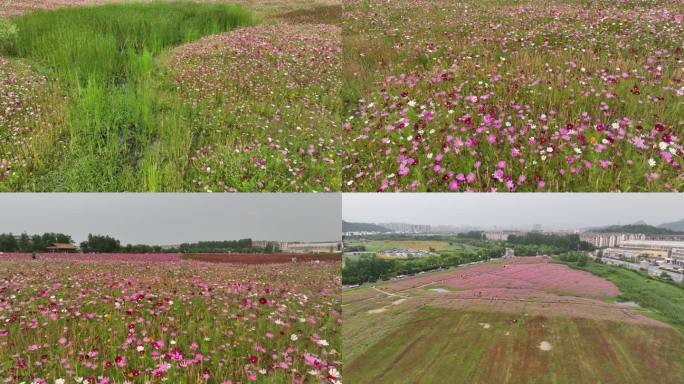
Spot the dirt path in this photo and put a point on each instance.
(390, 294)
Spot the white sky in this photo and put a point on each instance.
(159, 218)
(505, 210)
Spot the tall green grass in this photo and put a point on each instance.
(104, 58)
(666, 299)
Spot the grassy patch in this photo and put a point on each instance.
(664, 300)
(435, 343)
(667, 300)
(104, 58)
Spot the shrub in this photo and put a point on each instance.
(8, 35)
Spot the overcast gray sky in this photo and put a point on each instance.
(553, 210)
(174, 218)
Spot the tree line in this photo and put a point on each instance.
(531, 244)
(108, 244)
(31, 243)
(238, 246)
(369, 268)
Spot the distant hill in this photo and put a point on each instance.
(640, 228)
(673, 226)
(362, 227)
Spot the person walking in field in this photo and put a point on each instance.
(33, 255)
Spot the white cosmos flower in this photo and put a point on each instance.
(60, 381)
(333, 372)
(662, 145)
(294, 337)
(140, 348)
(322, 342)
(412, 103)
(651, 162)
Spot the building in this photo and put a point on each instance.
(677, 257)
(407, 228)
(651, 249)
(604, 240)
(263, 244)
(296, 247)
(62, 248)
(501, 235)
(509, 253)
(400, 252)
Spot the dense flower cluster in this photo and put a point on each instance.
(107, 320)
(11, 8)
(24, 111)
(531, 97)
(264, 101)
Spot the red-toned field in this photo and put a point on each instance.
(236, 258)
(262, 258)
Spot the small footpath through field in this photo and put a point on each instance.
(508, 321)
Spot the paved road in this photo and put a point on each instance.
(651, 269)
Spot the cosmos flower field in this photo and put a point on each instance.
(265, 94)
(146, 318)
(514, 96)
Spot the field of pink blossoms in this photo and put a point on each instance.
(498, 95)
(520, 273)
(27, 110)
(264, 98)
(154, 318)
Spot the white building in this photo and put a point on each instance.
(325, 247)
(501, 235)
(677, 256)
(604, 240)
(653, 249)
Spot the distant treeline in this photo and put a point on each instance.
(31, 243)
(532, 244)
(109, 244)
(239, 246)
(363, 227)
(639, 228)
(368, 268)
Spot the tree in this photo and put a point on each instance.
(101, 243)
(8, 243)
(37, 244)
(582, 260)
(24, 243)
(665, 276)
